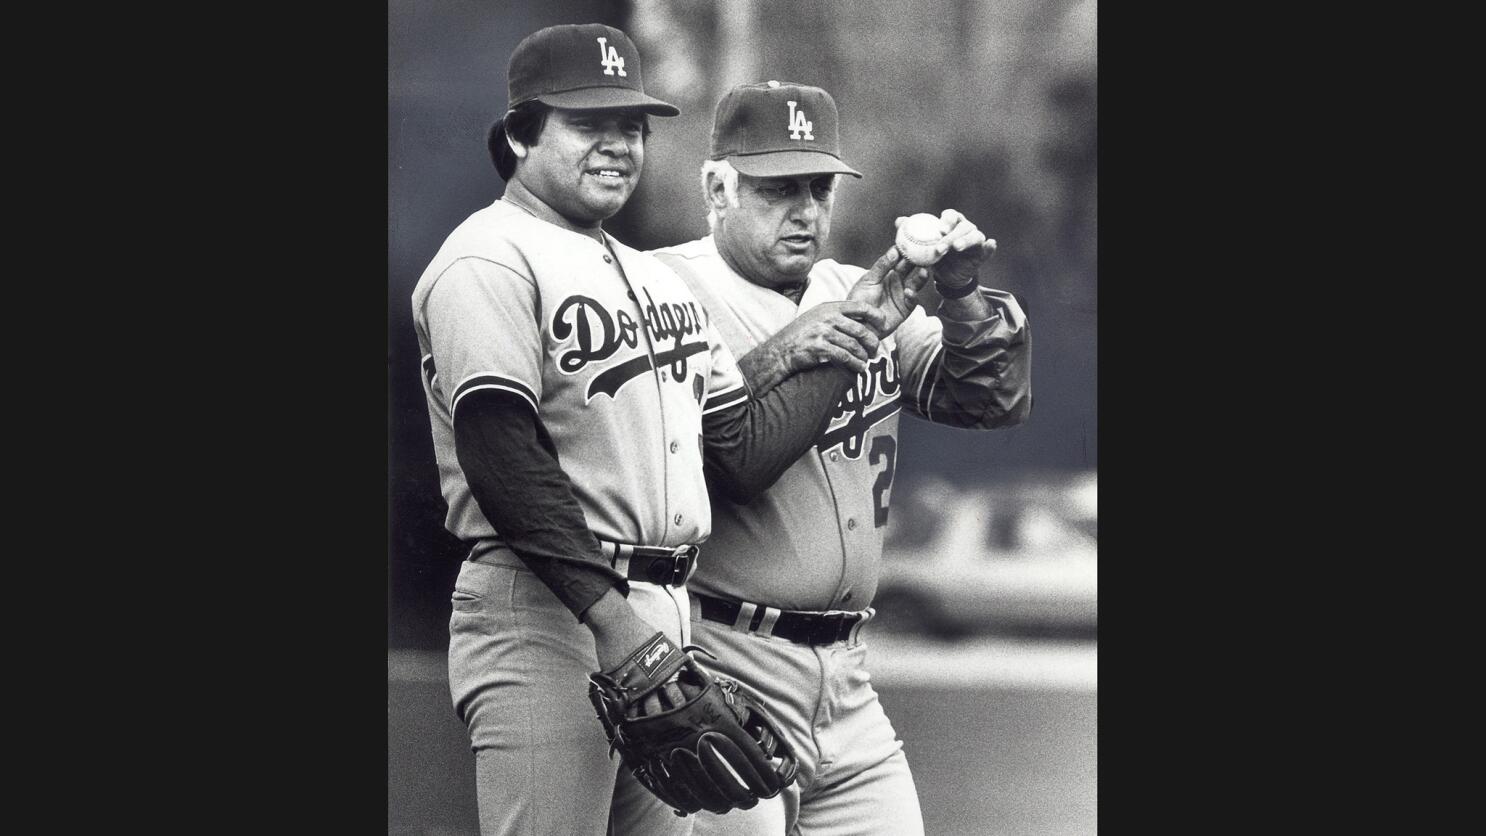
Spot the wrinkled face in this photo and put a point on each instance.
(775, 233)
(586, 163)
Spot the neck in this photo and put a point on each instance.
(518, 195)
(793, 292)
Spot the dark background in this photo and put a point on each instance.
(985, 108)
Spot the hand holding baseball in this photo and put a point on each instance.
(957, 253)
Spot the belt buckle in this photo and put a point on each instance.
(681, 563)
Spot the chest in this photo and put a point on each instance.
(609, 323)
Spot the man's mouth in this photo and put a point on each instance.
(608, 173)
(798, 239)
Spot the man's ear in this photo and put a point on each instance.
(517, 148)
(717, 198)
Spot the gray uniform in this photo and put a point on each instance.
(619, 360)
(814, 540)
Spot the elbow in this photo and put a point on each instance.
(1020, 411)
(1001, 414)
(741, 494)
(734, 488)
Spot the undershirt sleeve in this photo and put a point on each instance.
(749, 445)
(511, 465)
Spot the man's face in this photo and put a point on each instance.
(775, 233)
(586, 163)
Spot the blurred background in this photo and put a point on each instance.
(984, 650)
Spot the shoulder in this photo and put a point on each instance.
(691, 250)
(692, 261)
(493, 244)
(646, 260)
(835, 275)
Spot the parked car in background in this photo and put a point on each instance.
(1014, 559)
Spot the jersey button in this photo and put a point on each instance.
(851, 525)
(675, 447)
(835, 456)
(846, 597)
(608, 260)
(678, 519)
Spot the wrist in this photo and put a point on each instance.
(949, 291)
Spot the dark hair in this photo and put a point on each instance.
(524, 123)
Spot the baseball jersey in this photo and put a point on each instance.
(813, 540)
(613, 352)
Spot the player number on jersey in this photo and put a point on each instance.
(884, 447)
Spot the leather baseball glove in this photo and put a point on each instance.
(692, 739)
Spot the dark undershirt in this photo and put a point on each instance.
(512, 467)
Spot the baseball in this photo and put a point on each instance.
(917, 237)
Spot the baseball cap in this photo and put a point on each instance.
(779, 129)
(581, 66)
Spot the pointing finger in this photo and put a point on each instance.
(887, 260)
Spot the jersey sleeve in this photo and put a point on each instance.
(969, 373)
(483, 332)
(725, 386)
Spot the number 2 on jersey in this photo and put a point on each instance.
(883, 447)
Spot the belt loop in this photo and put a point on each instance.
(856, 629)
(621, 557)
(771, 615)
(745, 616)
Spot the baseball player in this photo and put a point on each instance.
(785, 590)
(577, 391)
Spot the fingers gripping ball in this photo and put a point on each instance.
(918, 238)
(717, 751)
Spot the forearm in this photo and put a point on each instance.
(982, 376)
(764, 367)
(511, 466)
(748, 446)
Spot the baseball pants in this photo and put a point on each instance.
(854, 778)
(518, 675)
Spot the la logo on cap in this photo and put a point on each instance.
(798, 125)
(609, 58)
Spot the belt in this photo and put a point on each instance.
(799, 627)
(665, 566)
(662, 565)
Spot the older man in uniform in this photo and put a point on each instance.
(790, 575)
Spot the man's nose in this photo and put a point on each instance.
(614, 142)
(807, 208)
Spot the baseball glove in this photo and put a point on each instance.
(717, 750)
